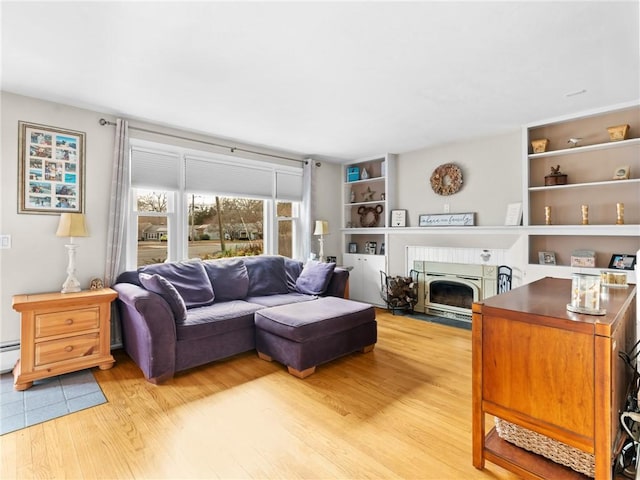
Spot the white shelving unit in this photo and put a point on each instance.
(367, 204)
(590, 168)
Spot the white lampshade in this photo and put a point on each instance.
(322, 227)
(72, 225)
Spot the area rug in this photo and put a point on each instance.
(47, 399)
(451, 322)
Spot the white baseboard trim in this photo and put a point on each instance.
(9, 355)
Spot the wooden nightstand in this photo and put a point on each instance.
(62, 333)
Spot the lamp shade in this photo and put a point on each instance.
(322, 227)
(72, 225)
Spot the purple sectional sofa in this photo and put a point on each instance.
(180, 315)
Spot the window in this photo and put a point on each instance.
(151, 219)
(188, 204)
(225, 226)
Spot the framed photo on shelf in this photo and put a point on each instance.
(621, 173)
(50, 169)
(622, 261)
(371, 248)
(382, 249)
(353, 247)
(547, 258)
(398, 218)
(514, 214)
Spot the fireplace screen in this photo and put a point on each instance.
(450, 293)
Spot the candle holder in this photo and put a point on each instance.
(585, 214)
(619, 213)
(547, 215)
(585, 294)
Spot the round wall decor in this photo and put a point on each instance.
(369, 216)
(446, 179)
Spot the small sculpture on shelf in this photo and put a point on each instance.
(368, 195)
(352, 196)
(547, 215)
(364, 174)
(556, 177)
(573, 141)
(585, 214)
(619, 213)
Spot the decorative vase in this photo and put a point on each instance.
(540, 145)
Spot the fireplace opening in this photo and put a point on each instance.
(450, 293)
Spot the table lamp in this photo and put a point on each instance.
(322, 228)
(71, 225)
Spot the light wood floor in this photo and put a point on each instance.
(401, 411)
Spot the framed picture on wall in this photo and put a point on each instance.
(353, 247)
(50, 170)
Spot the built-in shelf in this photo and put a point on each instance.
(586, 148)
(587, 184)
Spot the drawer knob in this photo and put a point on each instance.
(69, 321)
(68, 348)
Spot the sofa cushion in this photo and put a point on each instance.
(300, 323)
(266, 275)
(315, 277)
(292, 270)
(216, 319)
(281, 299)
(229, 278)
(189, 278)
(158, 284)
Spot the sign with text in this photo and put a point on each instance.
(447, 220)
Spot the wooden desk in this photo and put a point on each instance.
(62, 333)
(541, 367)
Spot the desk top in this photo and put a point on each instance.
(548, 298)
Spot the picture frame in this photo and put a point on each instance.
(622, 173)
(622, 261)
(353, 247)
(398, 218)
(51, 169)
(447, 219)
(547, 258)
(382, 249)
(513, 216)
(371, 248)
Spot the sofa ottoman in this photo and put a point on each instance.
(304, 335)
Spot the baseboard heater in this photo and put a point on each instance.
(9, 355)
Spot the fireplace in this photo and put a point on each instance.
(449, 289)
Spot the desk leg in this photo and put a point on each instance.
(477, 418)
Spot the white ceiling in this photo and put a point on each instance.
(342, 80)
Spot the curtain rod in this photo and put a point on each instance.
(104, 122)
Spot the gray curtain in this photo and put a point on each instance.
(307, 213)
(117, 219)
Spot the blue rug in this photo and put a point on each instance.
(47, 399)
(451, 322)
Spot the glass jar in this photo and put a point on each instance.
(585, 294)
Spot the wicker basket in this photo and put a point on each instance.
(540, 145)
(619, 132)
(554, 450)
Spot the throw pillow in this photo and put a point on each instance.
(292, 268)
(157, 284)
(315, 277)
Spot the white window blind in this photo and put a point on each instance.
(153, 169)
(241, 179)
(289, 186)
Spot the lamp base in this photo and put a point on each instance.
(71, 284)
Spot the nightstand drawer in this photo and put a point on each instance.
(66, 348)
(66, 322)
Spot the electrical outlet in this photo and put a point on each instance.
(446, 208)
(5, 241)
